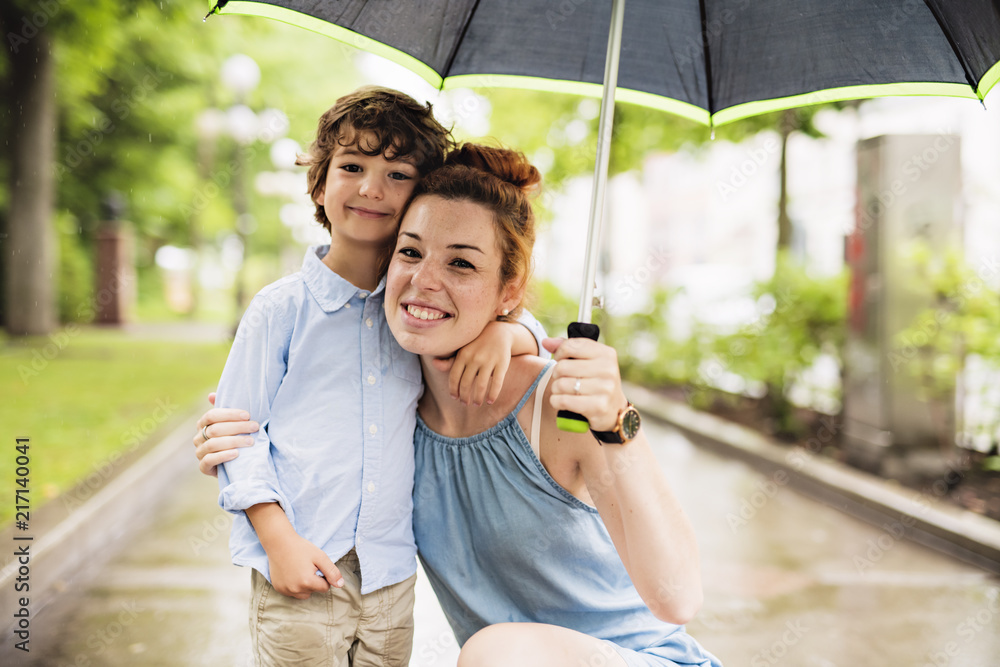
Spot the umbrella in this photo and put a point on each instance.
(713, 61)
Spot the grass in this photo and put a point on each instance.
(85, 396)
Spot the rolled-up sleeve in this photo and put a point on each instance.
(250, 381)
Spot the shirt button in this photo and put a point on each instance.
(362, 295)
(347, 305)
(369, 323)
(371, 379)
(371, 487)
(373, 429)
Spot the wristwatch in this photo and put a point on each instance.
(626, 428)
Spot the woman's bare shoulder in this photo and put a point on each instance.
(527, 365)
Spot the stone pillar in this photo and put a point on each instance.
(114, 293)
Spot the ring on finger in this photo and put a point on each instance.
(204, 432)
(576, 387)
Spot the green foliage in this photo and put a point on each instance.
(649, 351)
(76, 273)
(553, 308)
(87, 397)
(802, 316)
(963, 321)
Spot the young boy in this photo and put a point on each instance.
(323, 497)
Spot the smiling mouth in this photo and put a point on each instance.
(423, 314)
(367, 213)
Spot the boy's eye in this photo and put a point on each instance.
(400, 176)
(462, 264)
(353, 168)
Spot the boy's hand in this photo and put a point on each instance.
(478, 369)
(294, 561)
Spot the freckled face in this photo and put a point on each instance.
(364, 195)
(443, 285)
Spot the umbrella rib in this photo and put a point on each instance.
(458, 43)
(969, 75)
(708, 61)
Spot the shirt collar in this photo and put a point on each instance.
(327, 287)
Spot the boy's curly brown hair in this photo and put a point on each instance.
(395, 126)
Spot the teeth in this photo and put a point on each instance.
(423, 314)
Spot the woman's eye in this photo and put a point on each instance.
(409, 252)
(462, 264)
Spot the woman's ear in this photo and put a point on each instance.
(512, 296)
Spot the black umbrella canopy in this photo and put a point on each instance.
(713, 61)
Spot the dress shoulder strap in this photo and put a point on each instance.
(536, 420)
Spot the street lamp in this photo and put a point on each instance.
(240, 75)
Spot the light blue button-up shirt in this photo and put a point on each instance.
(315, 364)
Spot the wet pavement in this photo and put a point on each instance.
(788, 581)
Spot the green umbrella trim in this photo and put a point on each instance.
(741, 111)
(676, 107)
(989, 80)
(338, 33)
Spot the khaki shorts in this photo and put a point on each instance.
(338, 628)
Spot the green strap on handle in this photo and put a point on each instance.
(568, 420)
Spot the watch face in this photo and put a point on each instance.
(630, 423)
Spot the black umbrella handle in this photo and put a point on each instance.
(568, 420)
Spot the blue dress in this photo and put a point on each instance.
(501, 541)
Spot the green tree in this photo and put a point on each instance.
(802, 316)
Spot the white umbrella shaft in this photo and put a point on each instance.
(604, 130)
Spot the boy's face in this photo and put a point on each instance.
(364, 194)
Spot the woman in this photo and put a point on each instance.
(548, 549)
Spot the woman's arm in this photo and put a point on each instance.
(650, 530)
(221, 432)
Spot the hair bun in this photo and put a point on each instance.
(508, 165)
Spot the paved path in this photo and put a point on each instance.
(788, 581)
